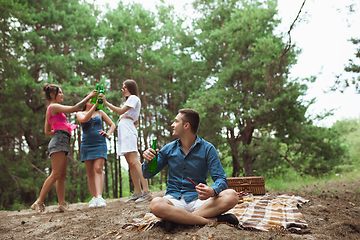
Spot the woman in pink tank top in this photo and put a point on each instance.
(57, 127)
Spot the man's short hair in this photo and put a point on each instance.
(192, 117)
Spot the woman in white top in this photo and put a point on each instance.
(127, 137)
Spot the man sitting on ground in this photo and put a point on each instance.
(191, 156)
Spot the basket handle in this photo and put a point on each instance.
(237, 184)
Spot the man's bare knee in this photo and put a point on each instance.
(230, 197)
(156, 205)
(233, 197)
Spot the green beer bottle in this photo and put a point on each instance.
(153, 163)
(100, 101)
(93, 99)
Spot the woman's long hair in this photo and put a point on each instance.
(132, 87)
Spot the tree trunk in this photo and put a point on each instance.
(166, 173)
(120, 179)
(246, 137)
(73, 187)
(131, 185)
(144, 102)
(233, 142)
(36, 71)
(161, 179)
(248, 164)
(117, 170)
(106, 180)
(84, 186)
(74, 182)
(115, 182)
(50, 195)
(234, 146)
(70, 192)
(112, 175)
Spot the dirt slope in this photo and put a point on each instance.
(333, 212)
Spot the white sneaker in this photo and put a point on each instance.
(100, 202)
(93, 202)
(133, 197)
(144, 197)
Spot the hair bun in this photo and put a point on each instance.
(45, 86)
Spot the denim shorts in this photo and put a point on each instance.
(59, 142)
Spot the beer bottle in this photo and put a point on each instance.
(100, 101)
(93, 99)
(153, 163)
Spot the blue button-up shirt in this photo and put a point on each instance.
(201, 159)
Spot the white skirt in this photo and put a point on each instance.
(127, 137)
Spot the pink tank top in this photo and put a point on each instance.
(59, 122)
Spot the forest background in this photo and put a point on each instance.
(228, 64)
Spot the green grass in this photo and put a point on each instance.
(294, 181)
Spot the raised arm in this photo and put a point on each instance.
(58, 108)
(116, 110)
(85, 117)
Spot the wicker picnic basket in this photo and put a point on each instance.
(254, 185)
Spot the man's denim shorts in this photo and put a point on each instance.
(59, 142)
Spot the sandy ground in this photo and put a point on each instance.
(333, 212)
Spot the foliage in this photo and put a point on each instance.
(349, 129)
(226, 65)
(315, 151)
(251, 106)
(352, 69)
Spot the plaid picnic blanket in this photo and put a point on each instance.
(143, 224)
(263, 213)
(271, 212)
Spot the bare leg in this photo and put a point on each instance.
(164, 209)
(89, 165)
(60, 183)
(58, 164)
(136, 172)
(226, 200)
(99, 180)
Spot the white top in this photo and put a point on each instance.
(135, 105)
